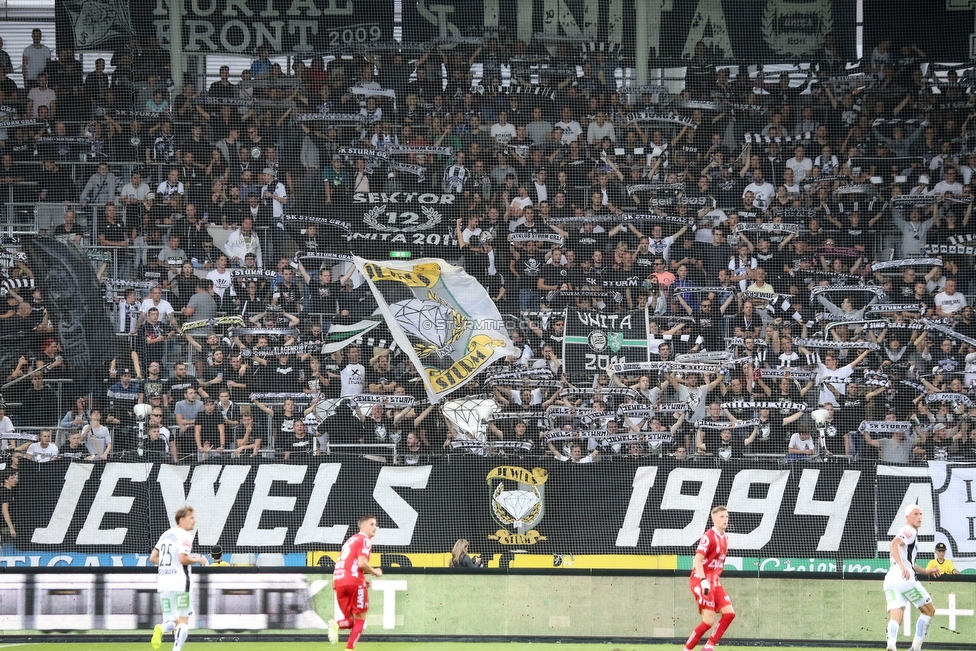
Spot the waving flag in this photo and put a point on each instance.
(441, 317)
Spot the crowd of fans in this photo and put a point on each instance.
(748, 215)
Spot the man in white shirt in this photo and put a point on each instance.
(243, 242)
(600, 129)
(170, 187)
(223, 284)
(800, 164)
(353, 376)
(762, 190)
(571, 128)
(949, 301)
(173, 554)
(41, 95)
(949, 185)
(36, 57)
(156, 300)
(134, 192)
(502, 131)
(42, 450)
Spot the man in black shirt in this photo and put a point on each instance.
(209, 430)
(8, 497)
(177, 385)
(297, 443)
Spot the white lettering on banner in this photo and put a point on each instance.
(389, 590)
(954, 491)
(558, 18)
(310, 531)
(768, 506)
(601, 320)
(213, 507)
(425, 198)
(402, 514)
(74, 482)
(107, 502)
(709, 18)
(629, 532)
(700, 504)
(951, 611)
(835, 510)
(916, 493)
(251, 535)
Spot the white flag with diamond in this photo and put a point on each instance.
(441, 317)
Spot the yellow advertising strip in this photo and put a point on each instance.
(524, 561)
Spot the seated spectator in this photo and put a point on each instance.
(43, 450)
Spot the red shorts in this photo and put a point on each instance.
(353, 599)
(716, 600)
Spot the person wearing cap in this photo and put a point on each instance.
(217, 554)
(945, 565)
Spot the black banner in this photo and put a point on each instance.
(607, 507)
(76, 308)
(211, 27)
(594, 340)
(942, 30)
(420, 222)
(762, 30)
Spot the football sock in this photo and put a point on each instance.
(893, 627)
(357, 629)
(345, 623)
(723, 624)
(182, 630)
(168, 626)
(696, 635)
(921, 628)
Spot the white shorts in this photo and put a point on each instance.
(175, 605)
(899, 592)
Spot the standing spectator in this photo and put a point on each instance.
(273, 193)
(100, 188)
(244, 242)
(41, 95)
(42, 450)
(8, 496)
(353, 375)
(97, 437)
(209, 430)
(6, 65)
(40, 404)
(187, 411)
(201, 307)
(36, 58)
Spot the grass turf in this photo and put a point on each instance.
(365, 646)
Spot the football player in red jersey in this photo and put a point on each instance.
(349, 581)
(706, 581)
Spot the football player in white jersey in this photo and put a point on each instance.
(901, 584)
(173, 555)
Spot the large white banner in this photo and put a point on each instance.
(442, 317)
(954, 504)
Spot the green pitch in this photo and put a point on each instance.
(377, 646)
